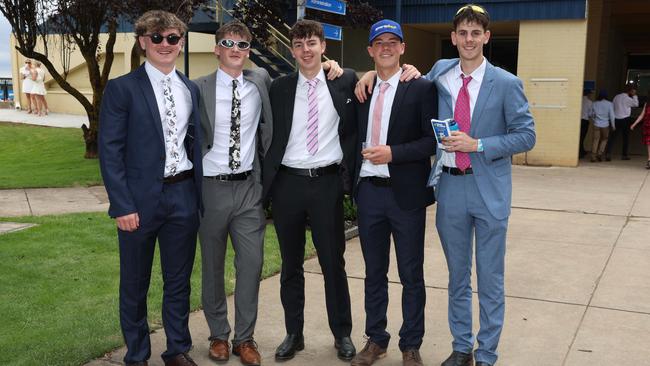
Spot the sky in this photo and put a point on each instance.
(5, 61)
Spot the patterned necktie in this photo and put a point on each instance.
(172, 155)
(312, 117)
(463, 117)
(234, 155)
(377, 114)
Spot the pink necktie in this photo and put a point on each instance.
(312, 117)
(463, 117)
(376, 114)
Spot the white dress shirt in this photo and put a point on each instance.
(453, 82)
(329, 147)
(183, 105)
(602, 112)
(215, 162)
(586, 107)
(369, 169)
(623, 104)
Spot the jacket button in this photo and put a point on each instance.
(209, 147)
(162, 157)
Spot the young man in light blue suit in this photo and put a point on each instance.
(473, 181)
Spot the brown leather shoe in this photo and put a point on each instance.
(247, 352)
(182, 359)
(370, 353)
(411, 357)
(219, 350)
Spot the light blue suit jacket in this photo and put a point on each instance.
(502, 121)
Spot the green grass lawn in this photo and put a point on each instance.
(35, 156)
(59, 289)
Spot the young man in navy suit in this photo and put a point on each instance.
(391, 193)
(150, 159)
(308, 167)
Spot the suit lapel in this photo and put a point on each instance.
(150, 100)
(336, 97)
(483, 96)
(442, 87)
(208, 89)
(290, 93)
(402, 87)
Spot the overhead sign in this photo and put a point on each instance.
(332, 32)
(331, 6)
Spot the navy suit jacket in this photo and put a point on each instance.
(132, 148)
(411, 139)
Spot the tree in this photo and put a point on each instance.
(77, 25)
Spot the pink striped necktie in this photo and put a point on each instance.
(376, 114)
(462, 116)
(312, 117)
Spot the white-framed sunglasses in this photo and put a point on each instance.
(229, 43)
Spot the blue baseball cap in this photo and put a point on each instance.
(385, 26)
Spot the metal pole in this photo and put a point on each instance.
(300, 6)
(398, 11)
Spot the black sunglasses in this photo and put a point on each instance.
(157, 38)
(229, 43)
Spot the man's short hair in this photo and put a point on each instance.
(158, 21)
(305, 28)
(629, 87)
(233, 27)
(472, 13)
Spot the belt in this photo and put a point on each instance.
(187, 174)
(313, 172)
(456, 171)
(377, 181)
(230, 177)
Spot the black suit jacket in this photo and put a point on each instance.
(411, 139)
(132, 148)
(283, 94)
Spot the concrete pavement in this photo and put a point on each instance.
(577, 278)
(51, 120)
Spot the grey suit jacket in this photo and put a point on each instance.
(207, 105)
(502, 120)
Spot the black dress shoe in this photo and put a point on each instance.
(289, 346)
(483, 364)
(345, 347)
(459, 359)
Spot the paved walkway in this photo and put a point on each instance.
(51, 120)
(577, 280)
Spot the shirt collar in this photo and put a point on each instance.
(476, 75)
(392, 81)
(224, 78)
(156, 75)
(302, 80)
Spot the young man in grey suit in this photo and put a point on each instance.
(473, 181)
(236, 121)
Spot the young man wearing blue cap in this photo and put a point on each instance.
(391, 193)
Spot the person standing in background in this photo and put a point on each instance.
(602, 114)
(584, 120)
(26, 76)
(623, 104)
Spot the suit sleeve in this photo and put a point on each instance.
(424, 146)
(112, 141)
(520, 126)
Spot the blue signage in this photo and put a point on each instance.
(332, 32)
(331, 6)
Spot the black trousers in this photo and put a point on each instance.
(622, 129)
(296, 198)
(584, 127)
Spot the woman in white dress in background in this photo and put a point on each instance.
(38, 89)
(26, 76)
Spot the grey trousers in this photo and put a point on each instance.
(232, 208)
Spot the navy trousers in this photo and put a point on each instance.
(175, 225)
(379, 216)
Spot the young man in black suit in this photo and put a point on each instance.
(309, 166)
(391, 194)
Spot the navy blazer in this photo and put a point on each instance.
(132, 147)
(411, 139)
